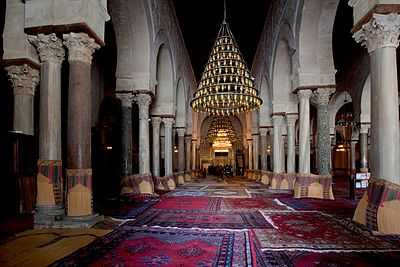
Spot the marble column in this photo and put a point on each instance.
(181, 148)
(322, 96)
(126, 133)
(188, 140)
(364, 146)
(24, 80)
(304, 131)
(277, 143)
(79, 162)
(194, 144)
(156, 122)
(250, 153)
(291, 119)
(168, 145)
(256, 151)
(353, 144)
(263, 139)
(49, 200)
(381, 37)
(143, 101)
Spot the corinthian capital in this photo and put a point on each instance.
(24, 79)
(126, 99)
(80, 47)
(49, 47)
(323, 95)
(168, 122)
(380, 31)
(304, 94)
(143, 101)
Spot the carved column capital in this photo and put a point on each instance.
(156, 121)
(24, 79)
(126, 99)
(323, 95)
(304, 94)
(381, 31)
(80, 47)
(181, 132)
(168, 122)
(143, 101)
(291, 119)
(364, 128)
(263, 131)
(277, 119)
(49, 47)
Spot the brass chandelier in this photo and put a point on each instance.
(226, 86)
(221, 128)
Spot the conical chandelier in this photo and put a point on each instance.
(226, 86)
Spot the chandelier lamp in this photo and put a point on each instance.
(221, 127)
(226, 86)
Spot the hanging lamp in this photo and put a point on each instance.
(221, 127)
(226, 86)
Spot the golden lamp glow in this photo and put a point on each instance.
(226, 86)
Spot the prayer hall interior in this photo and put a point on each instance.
(199, 133)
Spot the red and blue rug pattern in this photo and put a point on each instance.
(251, 204)
(328, 259)
(132, 246)
(338, 207)
(316, 231)
(189, 204)
(220, 220)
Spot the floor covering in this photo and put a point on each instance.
(199, 225)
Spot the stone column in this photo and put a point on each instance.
(168, 145)
(364, 146)
(126, 133)
(250, 153)
(79, 162)
(156, 122)
(24, 80)
(380, 36)
(291, 151)
(255, 151)
(49, 200)
(194, 144)
(263, 138)
(304, 131)
(277, 143)
(188, 140)
(322, 96)
(143, 101)
(181, 148)
(353, 144)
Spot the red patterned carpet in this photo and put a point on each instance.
(262, 227)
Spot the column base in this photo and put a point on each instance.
(81, 221)
(379, 208)
(48, 216)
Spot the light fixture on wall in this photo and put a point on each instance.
(226, 86)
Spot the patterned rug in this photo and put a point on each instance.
(189, 204)
(316, 231)
(186, 193)
(270, 193)
(129, 210)
(223, 187)
(133, 246)
(252, 204)
(238, 192)
(339, 207)
(221, 220)
(331, 259)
